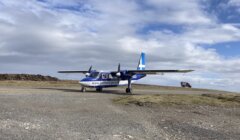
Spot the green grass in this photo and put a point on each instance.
(149, 87)
(181, 99)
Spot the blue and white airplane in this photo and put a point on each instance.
(105, 79)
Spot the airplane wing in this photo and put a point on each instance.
(157, 71)
(83, 71)
(132, 72)
(73, 72)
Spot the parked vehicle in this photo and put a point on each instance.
(185, 85)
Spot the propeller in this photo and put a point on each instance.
(89, 71)
(119, 70)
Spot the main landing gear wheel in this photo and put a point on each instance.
(83, 89)
(99, 89)
(128, 90)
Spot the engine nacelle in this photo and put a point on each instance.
(87, 74)
(118, 74)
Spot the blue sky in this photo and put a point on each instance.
(227, 49)
(44, 36)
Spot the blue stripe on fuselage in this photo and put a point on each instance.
(135, 77)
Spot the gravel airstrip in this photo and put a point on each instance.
(63, 112)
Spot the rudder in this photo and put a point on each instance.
(141, 62)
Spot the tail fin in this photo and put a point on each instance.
(141, 62)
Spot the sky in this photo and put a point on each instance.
(45, 36)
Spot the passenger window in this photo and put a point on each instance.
(104, 76)
(107, 76)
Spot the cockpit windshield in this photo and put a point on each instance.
(94, 74)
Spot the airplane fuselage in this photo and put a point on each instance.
(107, 79)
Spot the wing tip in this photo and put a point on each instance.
(186, 71)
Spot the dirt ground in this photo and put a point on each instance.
(63, 112)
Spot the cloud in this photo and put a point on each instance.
(46, 36)
(234, 2)
(173, 12)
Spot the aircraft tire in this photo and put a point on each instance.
(99, 89)
(128, 90)
(83, 89)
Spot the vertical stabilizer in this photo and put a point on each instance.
(141, 62)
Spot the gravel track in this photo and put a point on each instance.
(66, 113)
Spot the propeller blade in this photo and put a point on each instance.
(119, 67)
(119, 71)
(90, 69)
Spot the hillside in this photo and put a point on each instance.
(27, 77)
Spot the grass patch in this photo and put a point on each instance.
(181, 99)
(143, 86)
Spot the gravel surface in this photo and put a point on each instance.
(66, 113)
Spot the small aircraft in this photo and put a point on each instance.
(105, 79)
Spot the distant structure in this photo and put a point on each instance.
(185, 85)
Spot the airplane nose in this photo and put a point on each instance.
(82, 83)
(85, 82)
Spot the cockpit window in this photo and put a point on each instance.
(94, 74)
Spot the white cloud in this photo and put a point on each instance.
(176, 12)
(234, 2)
(55, 34)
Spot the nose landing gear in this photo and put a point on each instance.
(129, 88)
(83, 89)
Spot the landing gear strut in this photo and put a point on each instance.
(83, 89)
(129, 88)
